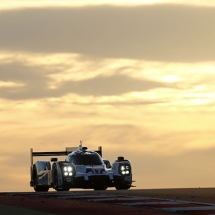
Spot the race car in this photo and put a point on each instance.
(82, 168)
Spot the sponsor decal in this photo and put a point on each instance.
(97, 171)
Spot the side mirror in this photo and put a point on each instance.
(54, 159)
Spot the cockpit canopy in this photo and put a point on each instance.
(85, 158)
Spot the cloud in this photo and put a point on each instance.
(156, 32)
(107, 86)
(35, 84)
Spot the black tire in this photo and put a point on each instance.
(100, 188)
(65, 189)
(122, 187)
(41, 188)
(37, 187)
(55, 182)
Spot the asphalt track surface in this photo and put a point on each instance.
(196, 201)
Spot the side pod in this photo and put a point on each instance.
(122, 173)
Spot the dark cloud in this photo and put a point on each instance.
(113, 85)
(36, 84)
(158, 33)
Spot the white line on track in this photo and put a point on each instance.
(168, 205)
(198, 208)
(152, 202)
(117, 198)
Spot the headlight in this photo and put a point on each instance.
(125, 170)
(122, 168)
(68, 171)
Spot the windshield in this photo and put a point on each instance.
(85, 159)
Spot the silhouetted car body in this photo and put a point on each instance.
(82, 168)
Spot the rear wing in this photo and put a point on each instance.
(58, 153)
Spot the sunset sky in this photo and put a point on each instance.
(135, 77)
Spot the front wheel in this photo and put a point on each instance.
(122, 187)
(38, 188)
(100, 188)
(65, 189)
(55, 184)
(41, 188)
